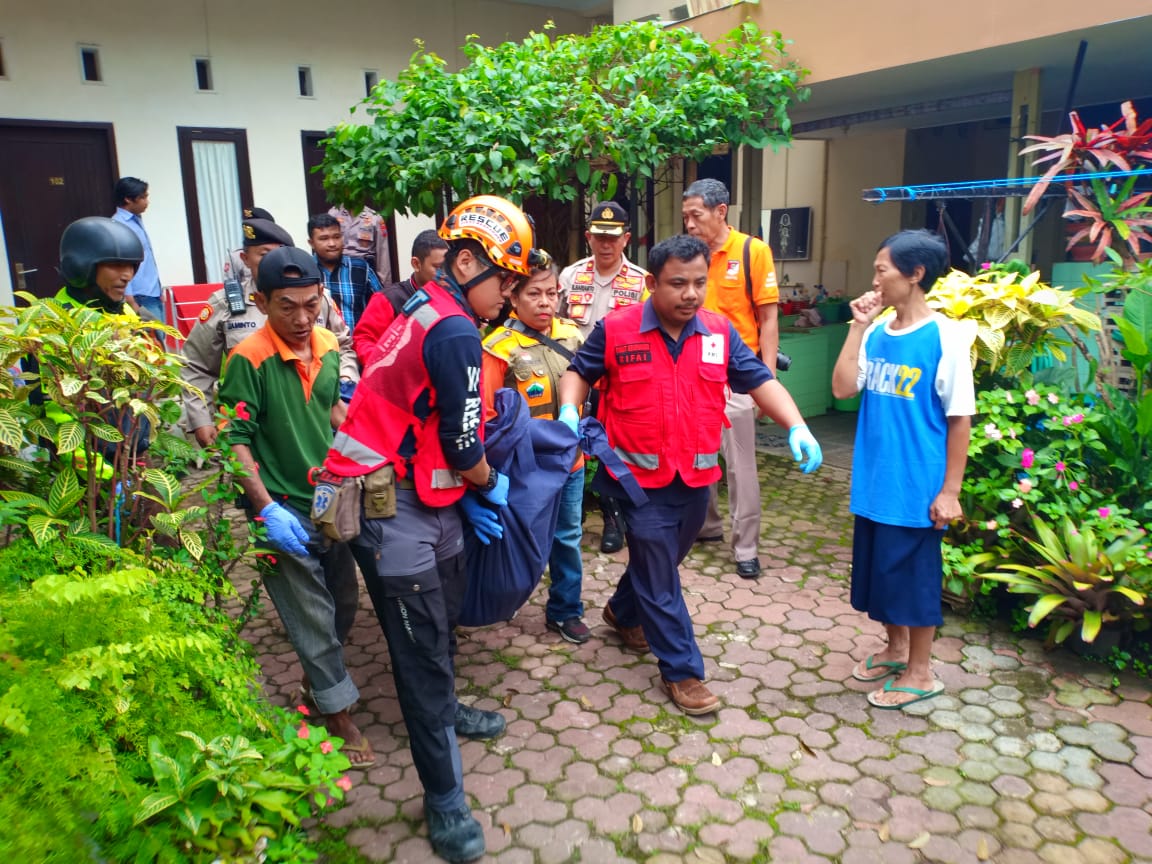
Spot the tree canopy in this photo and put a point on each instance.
(547, 116)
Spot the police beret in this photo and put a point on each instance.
(608, 217)
(258, 213)
(258, 232)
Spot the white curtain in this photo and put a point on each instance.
(218, 193)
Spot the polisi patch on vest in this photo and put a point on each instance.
(486, 225)
(630, 355)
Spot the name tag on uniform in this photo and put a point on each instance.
(713, 348)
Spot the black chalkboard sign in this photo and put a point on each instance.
(789, 232)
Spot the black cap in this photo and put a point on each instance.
(287, 267)
(609, 218)
(257, 232)
(258, 213)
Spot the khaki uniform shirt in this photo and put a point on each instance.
(366, 236)
(218, 331)
(597, 296)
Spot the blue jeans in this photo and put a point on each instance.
(565, 569)
(316, 596)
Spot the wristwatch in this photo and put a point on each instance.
(490, 483)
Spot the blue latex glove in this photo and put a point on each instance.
(801, 441)
(498, 494)
(284, 530)
(570, 417)
(347, 388)
(484, 520)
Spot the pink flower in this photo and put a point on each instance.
(1104, 512)
(1060, 467)
(303, 709)
(325, 747)
(303, 732)
(987, 265)
(1033, 397)
(242, 411)
(345, 783)
(1027, 458)
(1073, 485)
(992, 432)
(1025, 485)
(1012, 434)
(990, 525)
(1053, 398)
(1077, 418)
(1067, 421)
(1017, 503)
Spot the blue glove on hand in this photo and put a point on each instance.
(347, 388)
(801, 441)
(570, 417)
(284, 530)
(498, 494)
(484, 520)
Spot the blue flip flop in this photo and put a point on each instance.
(892, 666)
(890, 687)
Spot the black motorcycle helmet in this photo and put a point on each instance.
(95, 240)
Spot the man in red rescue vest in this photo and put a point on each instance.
(417, 417)
(667, 363)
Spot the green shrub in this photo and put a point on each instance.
(96, 664)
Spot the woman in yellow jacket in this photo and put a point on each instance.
(529, 353)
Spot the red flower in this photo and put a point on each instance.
(303, 731)
(325, 746)
(303, 709)
(242, 411)
(345, 783)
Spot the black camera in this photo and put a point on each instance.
(783, 361)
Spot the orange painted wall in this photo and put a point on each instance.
(838, 38)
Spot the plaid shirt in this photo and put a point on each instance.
(352, 284)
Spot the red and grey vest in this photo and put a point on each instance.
(381, 415)
(662, 417)
(627, 290)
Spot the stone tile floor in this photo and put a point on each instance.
(1029, 757)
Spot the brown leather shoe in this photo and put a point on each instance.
(632, 637)
(691, 696)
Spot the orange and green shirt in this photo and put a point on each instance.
(286, 414)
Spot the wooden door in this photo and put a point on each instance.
(53, 174)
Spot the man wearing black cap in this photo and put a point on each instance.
(589, 290)
(220, 329)
(283, 382)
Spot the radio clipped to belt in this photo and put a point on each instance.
(336, 505)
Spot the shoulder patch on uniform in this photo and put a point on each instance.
(205, 313)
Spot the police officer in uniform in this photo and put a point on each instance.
(591, 288)
(366, 236)
(234, 266)
(220, 329)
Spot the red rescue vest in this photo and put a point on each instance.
(664, 418)
(381, 414)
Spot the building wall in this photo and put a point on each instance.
(888, 33)
(147, 50)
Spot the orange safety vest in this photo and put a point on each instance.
(664, 417)
(381, 415)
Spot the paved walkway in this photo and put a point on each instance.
(1027, 758)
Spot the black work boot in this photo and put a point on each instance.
(455, 834)
(474, 723)
(613, 538)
